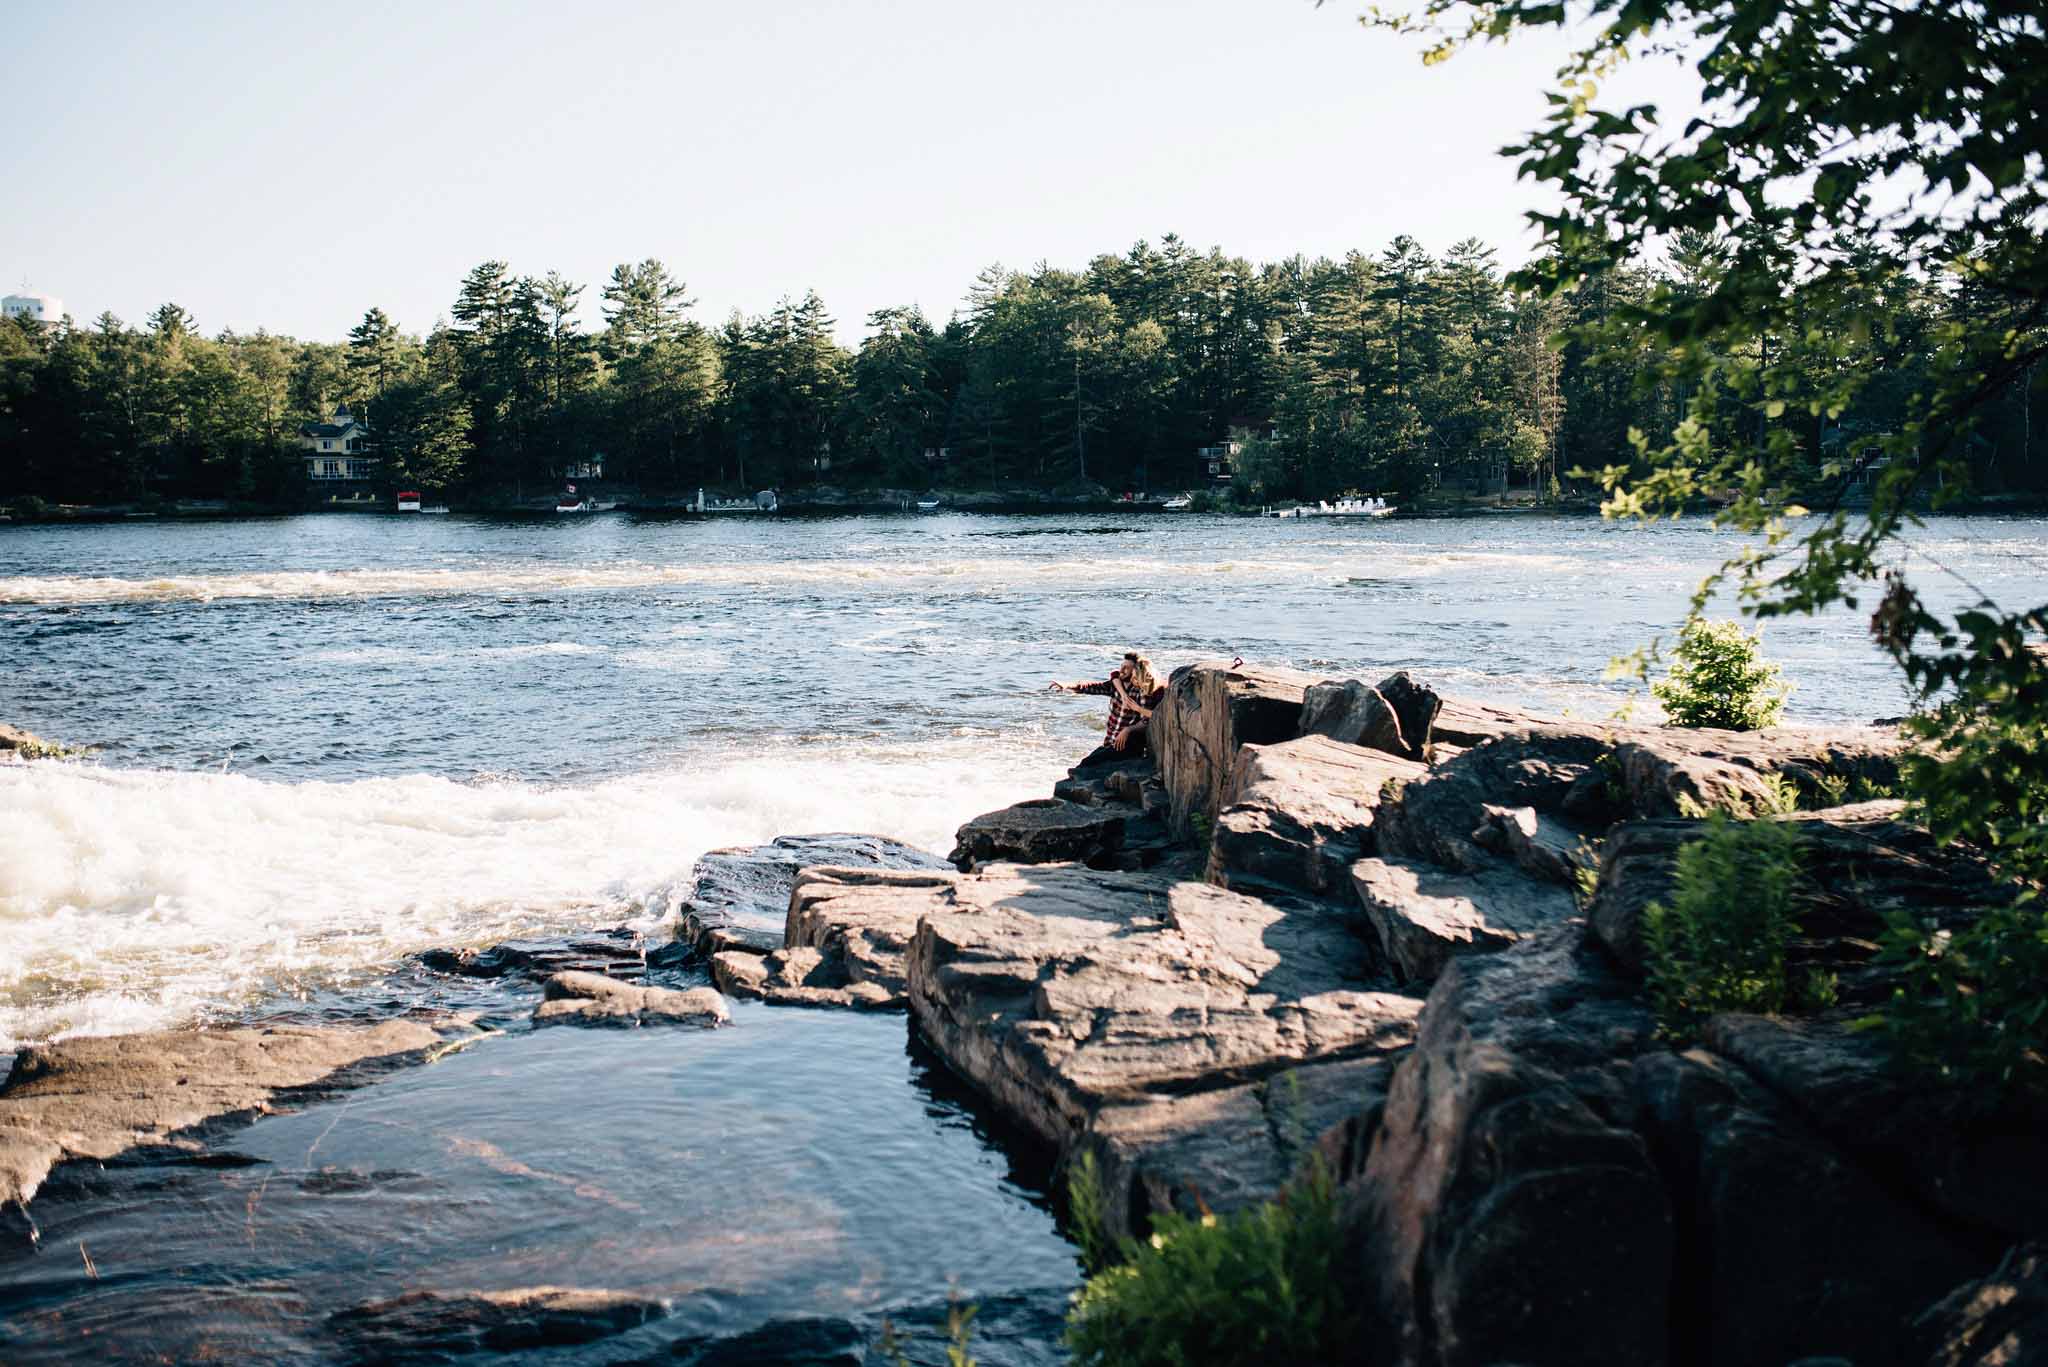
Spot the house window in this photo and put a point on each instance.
(330, 469)
(326, 446)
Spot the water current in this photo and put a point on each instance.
(323, 744)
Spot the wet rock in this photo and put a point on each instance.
(1041, 831)
(102, 1096)
(1996, 1321)
(1073, 998)
(614, 953)
(803, 1341)
(1300, 812)
(1789, 1246)
(1508, 1211)
(593, 999)
(1425, 915)
(797, 977)
(1016, 1329)
(426, 1326)
(1208, 712)
(1860, 866)
(16, 743)
(740, 897)
(1395, 716)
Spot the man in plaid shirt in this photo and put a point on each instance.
(1133, 691)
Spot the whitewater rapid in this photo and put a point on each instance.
(132, 899)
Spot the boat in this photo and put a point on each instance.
(566, 504)
(409, 501)
(929, 505)
(1178, 504)
(763, 502)
(435, 508)
(1343, 507)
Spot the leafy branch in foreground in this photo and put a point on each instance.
(1846, 155)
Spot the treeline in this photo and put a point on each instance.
(1387, 373)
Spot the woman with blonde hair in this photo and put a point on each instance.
(1133, 690)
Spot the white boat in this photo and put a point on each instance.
(409, 501)
(1343, 507)
(579, 505)
(763, 502)
(928, 505)
(434, 508)
(1178, 505)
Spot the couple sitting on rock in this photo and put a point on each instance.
(1133, 691)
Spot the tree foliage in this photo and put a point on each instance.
(1864, 180)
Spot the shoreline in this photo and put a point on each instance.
(1373, 928)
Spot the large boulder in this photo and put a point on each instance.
(1075, 1000)
(1425, 915)
(1509, 1212)
(1208, 712)
(1041, 831)
(100, 1096)
(1394, 716)
(1300, 812)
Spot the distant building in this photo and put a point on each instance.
(589, 467)
(40, 307)
(338, 448)
(1216, 460)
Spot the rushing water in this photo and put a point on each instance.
(326, 743)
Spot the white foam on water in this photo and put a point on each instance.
(528, 578)
(132, 899)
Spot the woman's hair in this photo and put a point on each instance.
(1143, 680)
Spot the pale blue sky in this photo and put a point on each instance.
(291, 165)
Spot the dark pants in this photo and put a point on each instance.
(1134, 748)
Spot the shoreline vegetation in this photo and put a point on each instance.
(1157, 371)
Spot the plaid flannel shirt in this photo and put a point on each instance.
(1122, 716)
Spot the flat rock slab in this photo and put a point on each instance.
(1299, 813)
(429, 1326)
(99, 1097)
(1426, 915)
(1069, 996)
(740, 896)
(1042, 831)
(614, 953)
(1208, 712)
(593, 999)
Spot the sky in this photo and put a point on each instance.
(290, 166)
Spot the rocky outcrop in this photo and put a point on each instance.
(1131, 1012)
(1208, 712)
(102, 1096)
(845, 934)
(1509, 1211)
(739, 897)
(593, 999)
(16, 743)
(1298, 813)
(431, 1326)
(1860, 865)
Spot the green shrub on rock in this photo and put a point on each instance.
(1720, 678)
(1258, 1286)
(1720, 943)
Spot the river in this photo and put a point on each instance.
(326, 743)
